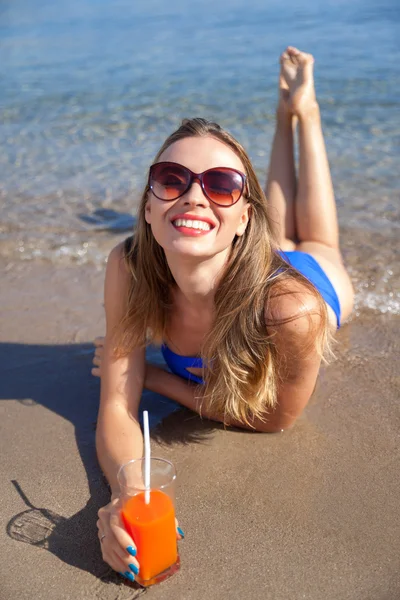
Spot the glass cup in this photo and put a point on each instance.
(151, 525)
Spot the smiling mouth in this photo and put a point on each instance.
(193, 224)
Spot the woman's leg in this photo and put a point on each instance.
(281, 180)
(316, 218)
(315, 208)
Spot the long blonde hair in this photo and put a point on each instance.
(242, 374)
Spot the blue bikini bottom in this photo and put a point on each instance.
(307, 266)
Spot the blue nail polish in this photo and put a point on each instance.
(134, 568)
(131, 550)
(122, 575)
(181, 532)
(129, 576)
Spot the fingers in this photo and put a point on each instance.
(116, 562)
(125, 550)
(117, 547)
(99, 351)
(121, 535)
(179, 533)
(108, 553)
(97, 358)
(98, 341)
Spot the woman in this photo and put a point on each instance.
(208, 276)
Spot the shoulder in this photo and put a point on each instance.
(292, 299)
(294, 314)
(116, 263)
(118, 279)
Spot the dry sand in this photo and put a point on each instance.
(312, 513)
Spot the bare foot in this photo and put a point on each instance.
(296, 82)
(98, 355)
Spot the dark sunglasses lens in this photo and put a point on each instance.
(223, 186)
(167, 181)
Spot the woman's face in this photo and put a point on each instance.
(197, 154)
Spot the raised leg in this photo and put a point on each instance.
(281, 180)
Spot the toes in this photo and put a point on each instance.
(306, 59)
(298, 57)
(284, 57)
(292, 54)
(292, 51)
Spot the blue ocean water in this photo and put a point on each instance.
(90, 89)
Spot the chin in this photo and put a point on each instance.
(190, 249)
(194, 250)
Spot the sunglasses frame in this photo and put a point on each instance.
(198, 177)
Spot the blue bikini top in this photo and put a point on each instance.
(179, 364)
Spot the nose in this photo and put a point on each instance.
(195, 195)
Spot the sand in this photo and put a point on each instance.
(311, 513)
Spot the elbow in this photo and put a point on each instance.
(274, 428)
(277, 425)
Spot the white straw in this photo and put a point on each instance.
(146, 456)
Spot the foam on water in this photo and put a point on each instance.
(382, 296)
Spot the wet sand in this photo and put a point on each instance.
(312, 513)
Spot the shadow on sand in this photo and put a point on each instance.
(58, 377)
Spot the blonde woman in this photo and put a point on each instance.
(242, 290)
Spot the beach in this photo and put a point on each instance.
(88, 95)
(309, 513)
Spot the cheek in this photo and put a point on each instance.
(158, 220)
(235, 220)
(155, 212)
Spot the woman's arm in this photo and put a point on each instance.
(299, 358)
(176, 388)
(118, 434)
(162, 382)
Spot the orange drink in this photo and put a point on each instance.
(152, 527)
(148, 515)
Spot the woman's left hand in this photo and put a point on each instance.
(98, 356)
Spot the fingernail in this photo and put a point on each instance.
(131, 550)
(134, 568)
(122, 575)
(181, 532)
(129, 576)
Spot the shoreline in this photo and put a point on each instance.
(371, 257)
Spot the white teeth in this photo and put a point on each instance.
(192, 224)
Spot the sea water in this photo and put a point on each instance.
(90, 89)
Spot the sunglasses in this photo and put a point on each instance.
(222, 185)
